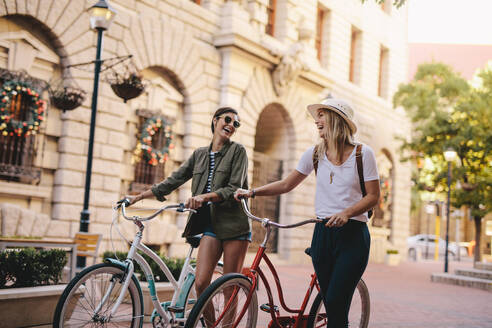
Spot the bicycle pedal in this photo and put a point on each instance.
(266, 308)
(175, 309)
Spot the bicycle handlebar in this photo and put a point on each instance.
(125, 203)
(266, 222)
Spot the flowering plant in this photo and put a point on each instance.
(67, 98)
(15, 91)
(154, 126)
(127, 86)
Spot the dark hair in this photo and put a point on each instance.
(220, 111)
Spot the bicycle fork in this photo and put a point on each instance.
(129, 270)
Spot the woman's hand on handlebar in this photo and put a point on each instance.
(132, 199)
(242, 193)
(195, 202)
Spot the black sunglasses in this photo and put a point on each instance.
(228, 120)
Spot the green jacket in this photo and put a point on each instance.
(231, 173)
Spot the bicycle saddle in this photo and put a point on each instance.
(308, 251)
(194, 241)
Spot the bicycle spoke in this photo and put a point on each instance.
(224, 305)
(83, 305)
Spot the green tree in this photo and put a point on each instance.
(396, 3)
(446, 111)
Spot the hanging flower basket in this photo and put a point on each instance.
(127, 87)
(67, 98)
(125, 80)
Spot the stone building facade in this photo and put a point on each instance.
(269, 59)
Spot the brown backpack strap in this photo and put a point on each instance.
(360, 171)
(360, 168)
(315, 159)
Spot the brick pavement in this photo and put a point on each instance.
(402, 296)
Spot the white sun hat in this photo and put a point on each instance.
(341, 107)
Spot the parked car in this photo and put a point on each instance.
(424, 244)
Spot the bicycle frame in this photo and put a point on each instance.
(178, 286)
(298, 319)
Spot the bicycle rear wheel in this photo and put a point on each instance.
(358, 314)
(79, 303)
(222, 302)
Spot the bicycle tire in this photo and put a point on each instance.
(82, 295)
(359, 313)
(215, 292)
(219, 270)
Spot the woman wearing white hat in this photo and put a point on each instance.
(344, 196)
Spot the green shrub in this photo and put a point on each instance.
(30, 267)
(391, 251)
(174, 264)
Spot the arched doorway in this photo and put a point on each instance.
(273, 139)
(383, 212)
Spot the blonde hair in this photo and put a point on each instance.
(337, 134)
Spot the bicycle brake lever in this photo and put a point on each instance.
(183, 209)
(125, 201)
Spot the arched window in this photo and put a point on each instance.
(163, 101)
(25, 46)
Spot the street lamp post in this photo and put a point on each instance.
(101, 16)
(449, 155)
(429, 209)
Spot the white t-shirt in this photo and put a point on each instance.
(338, 186)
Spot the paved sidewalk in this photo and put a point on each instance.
(404, 296)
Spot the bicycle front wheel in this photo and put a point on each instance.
(223, 301)
(358, 314)
(89, 298)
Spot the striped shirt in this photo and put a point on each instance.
(208, 187)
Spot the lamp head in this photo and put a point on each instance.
(102, 15)
(450, 154)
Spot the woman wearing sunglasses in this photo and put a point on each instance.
(216, 172)
(340, 245)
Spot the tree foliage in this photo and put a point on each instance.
(448, 112)
(396, 3)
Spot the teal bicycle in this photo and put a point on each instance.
(109, 294)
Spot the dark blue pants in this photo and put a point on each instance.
(340, 256)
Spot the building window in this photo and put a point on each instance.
(319, 32)
(17, 153)
(383, 72)
(270, 26)
(355, 55)
(147, 174)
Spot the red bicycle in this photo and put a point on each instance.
(231, 300)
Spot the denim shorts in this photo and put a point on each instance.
(209, 232)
